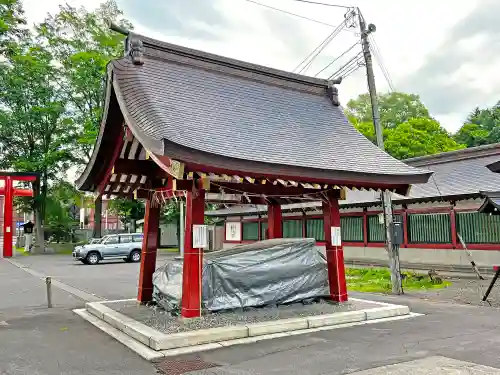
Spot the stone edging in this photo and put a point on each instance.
(160, 341)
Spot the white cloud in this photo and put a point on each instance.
(432, 48)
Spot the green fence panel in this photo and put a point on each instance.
(376, 231)
(314, 229)
(263, 230)
(292, 229)
(475, 227)
(250, 231)
(429, 228)
(351, 228)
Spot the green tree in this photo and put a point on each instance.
(82, 43)
(127, 210)
(419, 137)
(395, 108)
(12, 25)
(35, 132)
(481, 127)
(59, 222)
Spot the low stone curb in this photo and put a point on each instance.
(160, 341)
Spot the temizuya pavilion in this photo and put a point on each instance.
(185, 124)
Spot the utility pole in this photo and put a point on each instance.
(392, 250)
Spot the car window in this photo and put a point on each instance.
(111, 240)
(126, 239)
(137, 238)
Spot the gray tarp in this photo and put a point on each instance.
(270, 272)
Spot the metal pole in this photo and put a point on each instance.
(393, 251)
(181, 228)
(48, 283)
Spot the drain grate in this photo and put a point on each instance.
(182, 366)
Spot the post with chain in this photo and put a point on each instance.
(392, 250)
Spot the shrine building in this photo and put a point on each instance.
(180, 123)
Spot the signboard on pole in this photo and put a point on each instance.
(336, 236)
(200, 236)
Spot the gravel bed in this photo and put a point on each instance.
(163, 321)
(464, 291)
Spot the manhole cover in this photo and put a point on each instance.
(182, 366)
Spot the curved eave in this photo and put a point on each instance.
(106, 142)
(207, 162)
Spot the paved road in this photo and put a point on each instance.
(56, 341)
(35, 340)
(469, 333)
(109, 280)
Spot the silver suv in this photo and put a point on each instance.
(125, 246)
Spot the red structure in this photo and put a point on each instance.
(9, 192)
(186, 124)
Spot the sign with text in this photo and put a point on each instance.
(336, 236)
(233, 231)
(200, 236)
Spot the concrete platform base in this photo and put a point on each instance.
(152, 344)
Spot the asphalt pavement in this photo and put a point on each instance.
(459, 332)
(36, 340)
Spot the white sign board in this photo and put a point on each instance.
(336, 236)
(200, 236)
(233, 231)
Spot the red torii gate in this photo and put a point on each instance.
(9, 192)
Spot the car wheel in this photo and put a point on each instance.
(135, 256)
(92, 258)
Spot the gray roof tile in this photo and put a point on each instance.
(283, 120)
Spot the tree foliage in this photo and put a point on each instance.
(127, 210)
(83, 44)
(481, 127)
(415, 136)
(395, 108)
(12, 25)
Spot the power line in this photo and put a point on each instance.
(380, 60)
(310, 58)
(325, 4)
(290, 13)
(336, 59)
(352, 62)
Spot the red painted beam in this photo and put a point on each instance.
(274, 221)
(334, 254)
(18, 192)
(193, 258)
(7, 217)
(148, 253)
(116, 152)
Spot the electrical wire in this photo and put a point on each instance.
(352, 62)
(378, 56)
(325, 4)
(307, 61)
(337, 58)
(290, 13)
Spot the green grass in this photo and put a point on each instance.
(379, 281)
(169, 250)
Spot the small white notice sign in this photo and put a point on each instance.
(336, 236)
(200, 236)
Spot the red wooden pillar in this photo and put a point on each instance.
(405, 227)
(7, 218)
(334, 254)
(453, 227)
(274, 221)
(149, 249)
(193, 258)
(365, 227)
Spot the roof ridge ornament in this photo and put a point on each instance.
(136, 51)
(333, 92)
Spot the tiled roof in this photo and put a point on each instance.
(182, 98)
(456, 173)
(455, 177)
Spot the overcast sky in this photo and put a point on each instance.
(446, 51)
